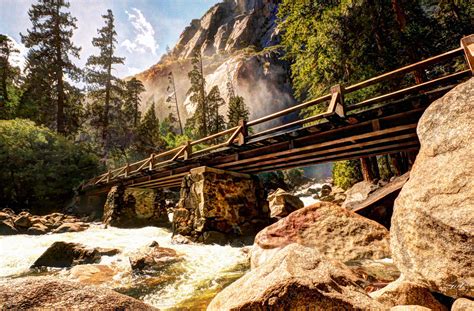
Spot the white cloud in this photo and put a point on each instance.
(144, 40)
(18, 59)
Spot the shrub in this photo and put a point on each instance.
(346, 173)
(39, 167)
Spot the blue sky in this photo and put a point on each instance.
(144, 27)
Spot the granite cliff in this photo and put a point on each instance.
(238, 41)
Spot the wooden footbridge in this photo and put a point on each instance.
(350, 127)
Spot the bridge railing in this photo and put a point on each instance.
(336, 108)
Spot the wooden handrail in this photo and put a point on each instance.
(404, 70)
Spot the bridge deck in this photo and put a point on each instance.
(382, 124)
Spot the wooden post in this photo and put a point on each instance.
(395, 157)
(152, 160)
(188, 151)
(337, 101)
(366, 169)
(467, 43)
(127, 169)
(108, 176)
(243, 132)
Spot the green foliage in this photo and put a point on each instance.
(206, 119)
(385, 169)
(106, 92)
(47, 98)
(237, 110)
(40, 168)
(9, 78)
(346, 173)
(330, 42)
(294, 177)
(133, 89)
(149, 139)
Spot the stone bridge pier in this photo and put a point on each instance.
(218, 206)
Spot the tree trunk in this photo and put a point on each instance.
(395, 157)
(375, 167)
(4, 80)
(366, 166)
(59, 78)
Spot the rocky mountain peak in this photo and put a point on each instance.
(228, 26)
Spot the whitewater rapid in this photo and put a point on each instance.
(203, 268)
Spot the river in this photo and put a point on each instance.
(191, 283)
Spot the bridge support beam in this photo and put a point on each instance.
(217, 203)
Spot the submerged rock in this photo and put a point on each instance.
(46, 293)
(329, 228)
(154, 259)
(62, 254)
(402, 292)
(432, 232)
(92, 274)
(297, 278)
(282, 203)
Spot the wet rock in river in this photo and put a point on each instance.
(37, 229)
(62, 254)
(329, 228)
(71, 227)
(7, 227)
(93, 274)
(297, 278)
(45, 293)
(432, 231)
(154, 259)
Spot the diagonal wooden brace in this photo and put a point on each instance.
(336, 105)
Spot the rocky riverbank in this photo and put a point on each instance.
(324, 255)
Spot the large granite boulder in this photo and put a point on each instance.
(432, 233)
(297, 278)
(221, 201)
(135, 207)
(334, 231)
(402, 292)
(463, 304)
(282, 203)
(45, 293)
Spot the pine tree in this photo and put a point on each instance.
(9, 75)
(105, 90)
(237, 110)
(198, 123)
(149, 139)
(134, 88)
(216, 121)
(49, 63)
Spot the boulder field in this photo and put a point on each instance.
(297, 262)
(26, 223)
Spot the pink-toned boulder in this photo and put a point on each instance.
(334, 231)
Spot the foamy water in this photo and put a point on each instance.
(204, 265)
